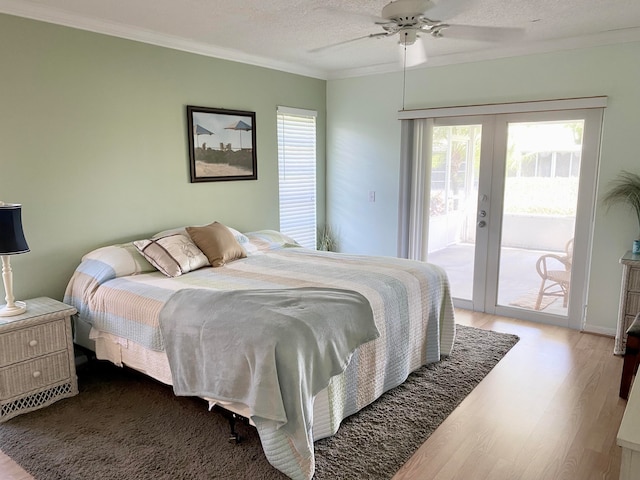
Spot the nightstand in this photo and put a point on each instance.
(629, 299)
(37, 365)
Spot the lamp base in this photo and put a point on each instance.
(16, 309)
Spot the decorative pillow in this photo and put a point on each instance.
(171, 231)
(173, 255)
(240, 237)
(217, 242)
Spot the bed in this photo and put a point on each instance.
(124, 294)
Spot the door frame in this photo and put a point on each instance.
(591, 109)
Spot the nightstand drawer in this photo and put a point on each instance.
(632, 305)
(26, 343)
(34, 374)
(634, 280)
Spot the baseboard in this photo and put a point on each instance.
(607, 332)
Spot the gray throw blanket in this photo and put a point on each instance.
(272, 350)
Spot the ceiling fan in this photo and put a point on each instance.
(412, 19)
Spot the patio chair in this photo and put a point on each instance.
(555, 271)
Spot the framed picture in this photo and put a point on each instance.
(222, 144)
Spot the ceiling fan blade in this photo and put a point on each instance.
(337, 44)
(446, 9)
(351, 40)
(485, 34)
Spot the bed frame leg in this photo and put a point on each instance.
(234, 437)
(232, 418)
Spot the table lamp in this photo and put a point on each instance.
(12, 242)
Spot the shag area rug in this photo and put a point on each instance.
(125, 425)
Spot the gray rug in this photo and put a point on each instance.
(125, 425)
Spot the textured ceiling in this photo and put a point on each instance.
(283, 34)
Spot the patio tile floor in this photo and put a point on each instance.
(518, 275)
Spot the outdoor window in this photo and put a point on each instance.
(297, 174)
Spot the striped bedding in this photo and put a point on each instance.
(116, 291)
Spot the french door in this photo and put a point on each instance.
(510, 198)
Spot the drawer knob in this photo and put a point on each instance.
(33, 343)
(37, 373)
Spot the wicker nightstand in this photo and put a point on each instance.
(37, 365)
(629, 299)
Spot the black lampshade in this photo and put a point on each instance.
(12, 239)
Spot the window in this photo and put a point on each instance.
(297, 174)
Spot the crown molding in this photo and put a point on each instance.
(60, 17)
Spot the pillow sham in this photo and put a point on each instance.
(268, 240)
(120, 260)
(217, 242)
(173, 254)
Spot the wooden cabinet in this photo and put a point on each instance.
(629, 299)
(37, 364)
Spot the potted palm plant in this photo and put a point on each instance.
(625, 189)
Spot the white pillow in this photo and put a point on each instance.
(119, 260)
(173, 254)
(240, 237)
(262, 241)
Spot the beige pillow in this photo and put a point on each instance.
(173, 254)
(240, 237)
(217, 242)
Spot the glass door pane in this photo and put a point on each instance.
(455, 160)
(539, 214)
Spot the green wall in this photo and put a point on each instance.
(363, 144)
(93, 143)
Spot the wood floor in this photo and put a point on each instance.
(548, 411)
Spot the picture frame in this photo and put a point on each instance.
(222, 144)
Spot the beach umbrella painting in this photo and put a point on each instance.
(241, 126)
(200, 130)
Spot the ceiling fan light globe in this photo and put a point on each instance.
(412, 55)
(407, 36)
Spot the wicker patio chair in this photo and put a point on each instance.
(555, 271)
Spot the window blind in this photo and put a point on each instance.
(297, 174)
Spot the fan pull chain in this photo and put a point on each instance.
(404, 69)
